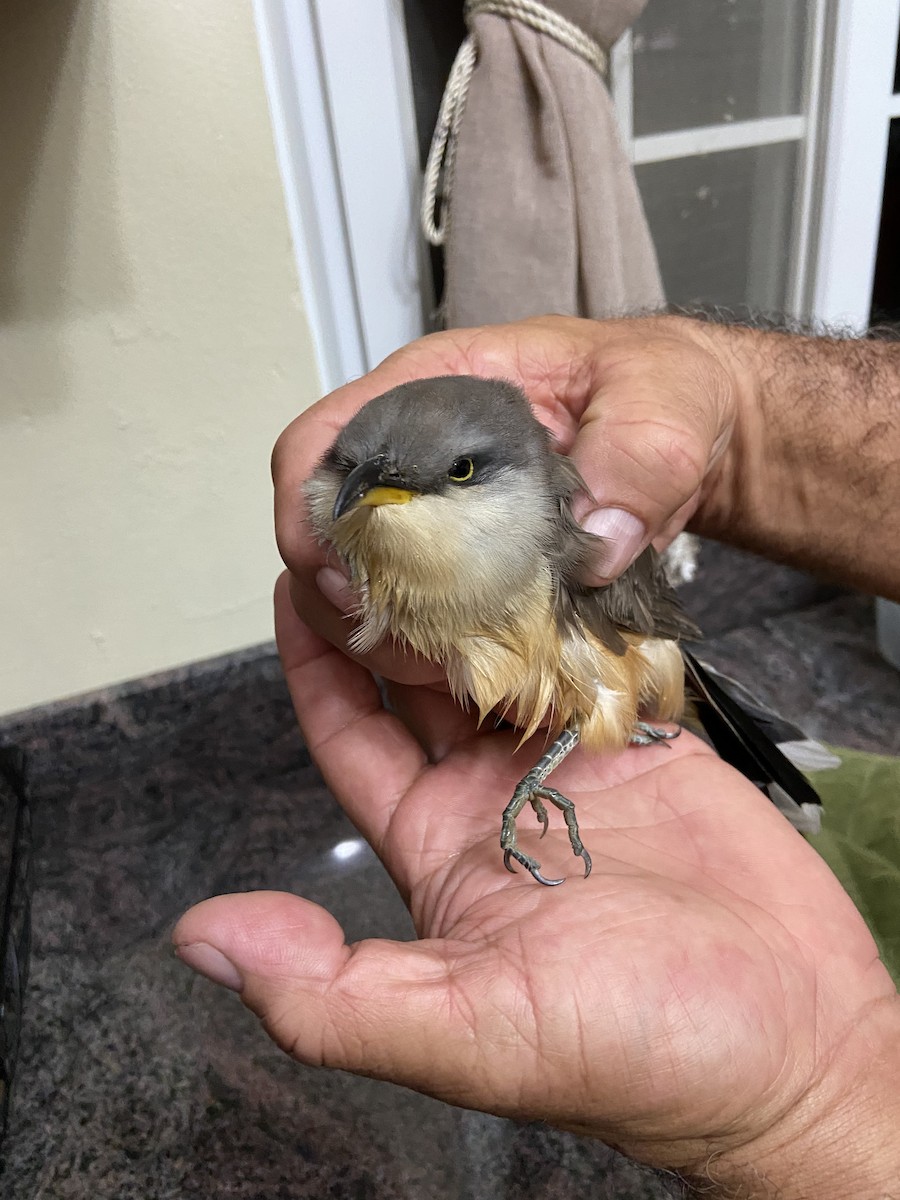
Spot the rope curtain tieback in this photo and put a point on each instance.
(442, 152)
(545, 20)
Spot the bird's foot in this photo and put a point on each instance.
(650, 735)
(531, 792)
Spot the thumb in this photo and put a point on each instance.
(645, 445)
(377, 1008)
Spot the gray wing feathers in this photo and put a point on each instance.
(641, 600)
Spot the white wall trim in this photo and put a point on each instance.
(338, 82)
(369, 88)
(851, 180)
(301, 125)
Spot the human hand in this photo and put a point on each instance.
(708, 1000)
(644, 407)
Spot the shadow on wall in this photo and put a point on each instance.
(60, 251)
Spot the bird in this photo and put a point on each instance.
(452, 510)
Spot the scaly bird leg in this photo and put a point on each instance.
(532, 791)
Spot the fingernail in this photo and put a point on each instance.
(623, 536)
(207, 960)
(336, 589)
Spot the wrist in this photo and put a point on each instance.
(841, 1139)
(809, 474)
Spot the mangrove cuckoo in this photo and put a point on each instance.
(452, 511)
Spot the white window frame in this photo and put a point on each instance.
(338, 80)
(801, 128)
(340, 97)
(852, 165)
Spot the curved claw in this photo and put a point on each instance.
(587, 862)
(645, 735)
(543, 879)
(545, 822)
(530, 866)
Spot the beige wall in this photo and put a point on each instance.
(152, 340)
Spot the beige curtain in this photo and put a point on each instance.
(543, 213)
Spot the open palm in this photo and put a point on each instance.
(686, 996)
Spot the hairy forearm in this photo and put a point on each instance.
(812, 476)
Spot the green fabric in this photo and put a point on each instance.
(860, 841)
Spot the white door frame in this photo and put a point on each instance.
(338, 80)
(851, 179)
(340, 96)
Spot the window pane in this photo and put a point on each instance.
(705, 62)
(722, 223)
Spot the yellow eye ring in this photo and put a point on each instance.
(462, 470)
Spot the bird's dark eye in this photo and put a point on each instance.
(462, 470)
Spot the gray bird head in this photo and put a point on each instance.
(435, 437)
(437, 481)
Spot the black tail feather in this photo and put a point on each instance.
(739, 739)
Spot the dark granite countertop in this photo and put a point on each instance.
(139, 1080)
